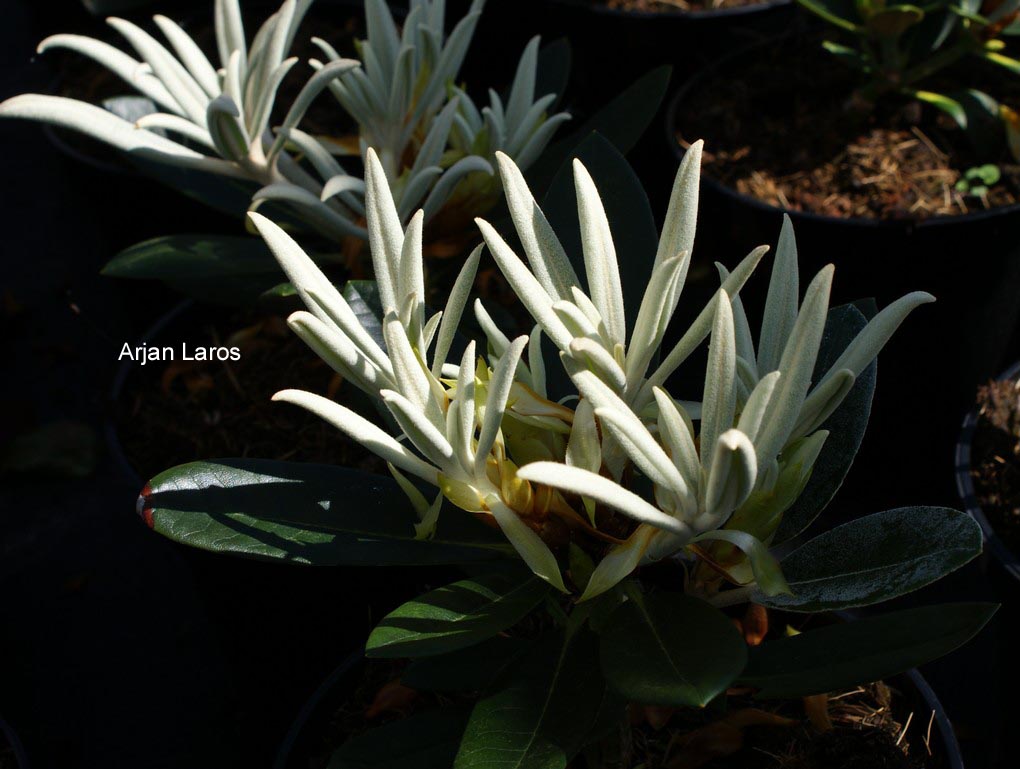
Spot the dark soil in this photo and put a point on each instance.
(672, 6)
(876, 726)
(867, 724)
(181, 411)
(872, 728)
(777, 126)
(995, 460)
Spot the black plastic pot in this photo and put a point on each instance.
(13, 745)
(283, 623)
(1006, 558)
(613, 46)
(300, 740)
(114, 446)
(306, 729)
(970, 263)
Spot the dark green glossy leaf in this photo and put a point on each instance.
(671, 649)
(228, 196)
(844, 655)
(363, 297)
(846, 426)
(193, 256)
(554, 60)
(893, 22)
(106, 7)
(876, 558)
(547, 704)
(950, 106)
(282, 299)
(622, 122)
(306, 514)
(984, 120)
(838, 14)
(456, 616)
(211, 268)
(425, 740)
(60, 449)
(465, 670)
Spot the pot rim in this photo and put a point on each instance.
(113, 443)
(908, 225)
(15, 744)
(946, 735)
(678, 15)
(1006, 557)
(304, 715)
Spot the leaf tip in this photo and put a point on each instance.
(142, 506)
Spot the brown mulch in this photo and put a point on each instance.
(995, 459)
(872, 727)
(784, 131)
(668, 6)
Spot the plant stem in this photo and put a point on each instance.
(732, 597)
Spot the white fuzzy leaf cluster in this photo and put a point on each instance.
(722, 469)
(450, 415)
(217, 118)
(406, 103)
(757, 437)
(224, 109)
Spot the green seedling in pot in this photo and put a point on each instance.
(899, 49)
(976, 181)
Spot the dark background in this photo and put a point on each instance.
(121, 649)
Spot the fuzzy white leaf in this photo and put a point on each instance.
(495, 402)
(545, 253)
(797, 366)
(362, 431)
(595, 358)
(823, 401)
(92, 121)
(781, 304)
(731, 479)
(419, 430)
(181, 85)
(720, 399)
(534, 147)
(699, 329)
(316, 291)
(599, 254)
(575, 480)
(385, 235)
(643, 451)
(666, 281)
(527, 543)
(191, 55)
(526, 286)
(339, 352)
(454, 311)
(873, 337)
(466, 421)
(128, 69)
(680, 224)
(161, 121)
(741, 328)
(452, 176)
(757, 406)
(619, 562)
(678, 435)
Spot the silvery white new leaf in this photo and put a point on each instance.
(224, 111)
